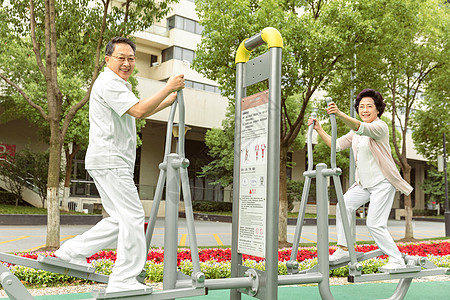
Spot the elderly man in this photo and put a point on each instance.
(110, 160)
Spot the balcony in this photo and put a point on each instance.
(158, 30)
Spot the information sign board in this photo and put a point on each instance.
(253, 175)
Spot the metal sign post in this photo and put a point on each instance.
(245, 235)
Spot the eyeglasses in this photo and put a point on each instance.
(130, 59)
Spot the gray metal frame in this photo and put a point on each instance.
(266, 66)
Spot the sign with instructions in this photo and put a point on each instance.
(253, 175)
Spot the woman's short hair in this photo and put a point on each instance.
(118, 40)
(377, 98)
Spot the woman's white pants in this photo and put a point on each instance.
(125, 225)
(381, 197)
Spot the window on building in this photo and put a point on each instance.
(179, 53)
(189, 25)
(201, 86)
(171, 22)
(167, 54)
(153, 59)
(184, 24)
(210, 88)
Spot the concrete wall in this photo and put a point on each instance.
(20, 133)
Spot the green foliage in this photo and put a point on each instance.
(433, 119)
(36, 165)
(12, 173)
(211, 206)
(26, 169)
(35, 277)
(7, 198)
(434, 186)
(294, 190)
(221, 145)
(45, 92)
(154, 271)
(313, 43)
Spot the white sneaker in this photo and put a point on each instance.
(114, 288)
(78, 260)
(338, 254)
(393, 265)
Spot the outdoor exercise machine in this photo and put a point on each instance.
(172, 170)
(416, 266)
(255, 208)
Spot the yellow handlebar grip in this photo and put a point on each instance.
(242, 54)
(272, 37)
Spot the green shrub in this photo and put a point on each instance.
(212, 206)
(7, 198)
(424, 212)
(38, 277)
(294, 191)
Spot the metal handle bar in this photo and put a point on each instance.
(333, 135)
(181, 126)
(268, 35)
(181, 123)
(309, 143)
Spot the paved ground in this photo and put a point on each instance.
(419, 290)
(29, 238)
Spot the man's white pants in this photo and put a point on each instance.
(125, 225)
(381, 197)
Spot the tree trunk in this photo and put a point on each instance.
(409, 234)
(53, 222)
(282, 224)
(69, 163)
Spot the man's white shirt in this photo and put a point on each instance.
(112, 132)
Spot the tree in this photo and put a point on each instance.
(13, 176)
(434, 186)
(317, 37)
(51, 60)
(25, 169)
(411, 39)
(35, 164)
(433, 119)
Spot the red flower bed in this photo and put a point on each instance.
(221, 255)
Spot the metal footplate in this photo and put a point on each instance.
(148, 294)
(64, 264)
(416, 267)
(360, 256)
(407, 269)
(345, 260)
(101, 294)
(51, 265)
(388, 276)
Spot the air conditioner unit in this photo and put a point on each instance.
(155, 64)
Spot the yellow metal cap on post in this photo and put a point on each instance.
(272, 37)
(242, 54)
(269, 35)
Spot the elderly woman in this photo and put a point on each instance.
(377, 177)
